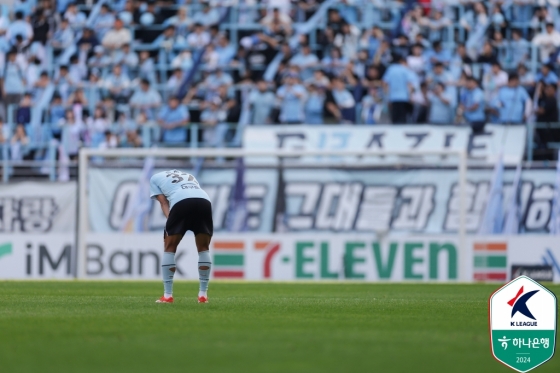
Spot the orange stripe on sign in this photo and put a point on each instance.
(493, 246)
(260, 245)
(234, 245)
(228, 274)
(498, 246)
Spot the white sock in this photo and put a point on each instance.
(202, 294)
(167, 295)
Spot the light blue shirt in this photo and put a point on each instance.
(262, 103)
(511, 103)
(550, 78)
(291, 107)
(398, 77)
(13, 79)
(468, 99)
(176, 186)
(178, 134)
(225, 54)
(314, 108)
(440, 113)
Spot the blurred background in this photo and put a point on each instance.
(458, 99)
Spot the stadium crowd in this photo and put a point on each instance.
(132, 73)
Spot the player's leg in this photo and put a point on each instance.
(202, 241)
(168, 266)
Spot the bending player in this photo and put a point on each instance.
(187, 208)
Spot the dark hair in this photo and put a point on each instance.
(19, 15)
(513, 76)
(145, 81)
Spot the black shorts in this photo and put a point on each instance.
(190, 214)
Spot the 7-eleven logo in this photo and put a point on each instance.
(271, 248)
(229, 259)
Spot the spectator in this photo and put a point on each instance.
(513, 102)
(40, 26)
(226, 51)
(314, 106)
(23, 113)
(173, 118)
(147, 67)
(76, 19)
(118, 85)
(132, 140)
(18, 143)
(437, 24)
(151, 15)
(104, 21)
(97, 127)
(526, 78)
(213, 119)
(57, 114)
(40, 86)
(547, 41)
(306, 61)
(399, 83)
(262, 102)
(277, 17)
(371, 40)
(347, 41)
(110, 141)
(547, 110)
(546, 75)
(198, 38)
(335, 63)
(13, 80)
(518, 49)
(472, 105)
(63, 37)
(475, 22)
(183, 61)
(319, 80)
(372, 106)
(126, 57)
(417, 61)
(291, 96)
(72, 134)
(181, 21)
(99, 60)
(116, 37)
(87, 42)
(207, 17)
(343, 105)
(174, 82)
(19, 27)
(169, 43)
(145, 98)
(4, 134)
(493, 80)
(441, 110)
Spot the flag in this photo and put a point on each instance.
(492, 220)
(512, 217)
(554, 227)
(280, 209)
(237, 213)
(138, 208)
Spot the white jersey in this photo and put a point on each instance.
(176, 186)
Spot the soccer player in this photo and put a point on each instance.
(187, 208)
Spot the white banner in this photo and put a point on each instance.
(483, 147)
(412, 201)
(275, 257)
(36, 256)
(38, 207)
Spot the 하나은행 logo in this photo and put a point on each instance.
(522, 320)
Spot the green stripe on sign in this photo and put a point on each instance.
(490, 261)
(228, 260)
(5, 249)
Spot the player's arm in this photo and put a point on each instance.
(164, 204)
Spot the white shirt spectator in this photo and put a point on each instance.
(198, 40)
(547, 42)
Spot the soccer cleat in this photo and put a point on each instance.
(203, 299)
(163, 299)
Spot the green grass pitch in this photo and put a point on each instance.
(247, 327)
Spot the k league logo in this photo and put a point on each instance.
(522, 317)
